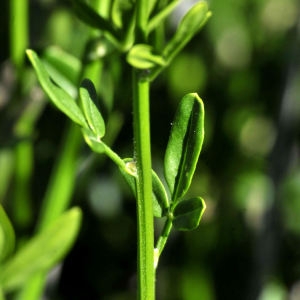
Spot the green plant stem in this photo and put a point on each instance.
(23, 150)
(62, 184)
(141, 117)
(114, 157)
(142, 8)
(18, 31)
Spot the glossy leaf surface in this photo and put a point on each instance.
(184, 145)
(61, 99)
(7, 235)
(187, 214)
(42, 252)
(88, 98)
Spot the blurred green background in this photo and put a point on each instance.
(245, 66)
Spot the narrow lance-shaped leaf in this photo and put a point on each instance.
(192, 22)
(88, 98)
(162, 15)
(42, 252)
(61, 99)
(187, 214)
(63, 68)
(65, 63)
(184, 145)
(7, 235)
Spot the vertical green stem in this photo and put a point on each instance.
(142, 7)
(18, 31)
(22, 212)
(144, 187)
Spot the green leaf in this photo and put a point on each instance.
(121, 12)
(187, 214)
(89, 16)
(94, 141)
(184, 145)
(161, 15)
(151, 5)
(63, 68)
(66, 64)
(141, 56)
(190, 24)
(88, 97)
(61, 99)
(42, 252)
(159, 194)
(7, 235)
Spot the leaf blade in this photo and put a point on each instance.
(184, 145)
(42, 252)
(7, 235)
(190, 24)
(61, 99)
(187, 214)
(88, 97)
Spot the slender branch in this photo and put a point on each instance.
(142, 7)
(18, 31)
(143, 187)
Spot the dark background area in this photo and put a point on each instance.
(244, 64)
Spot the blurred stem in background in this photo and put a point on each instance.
(19, 31)
(23, 152)
(63, 178)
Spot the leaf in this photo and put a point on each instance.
(184, 145)
(187, 214)
(42, 252)
(7, 235)
(159, 195)
(121, 12)
(63, 68)
(94, 141)
(61, 99)
(89, 16)
(88, 97)
(141, 56)
(66, 64)
(190, 24)
(161, 15)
